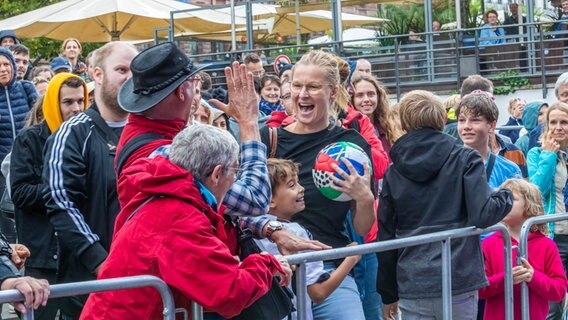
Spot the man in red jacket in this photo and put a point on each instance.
(172, 230)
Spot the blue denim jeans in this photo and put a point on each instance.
(343, 303)
(365, 273)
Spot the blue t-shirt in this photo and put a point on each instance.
(503, 170)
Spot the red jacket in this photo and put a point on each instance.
(548, 282)
(136, 126)
(180, 239)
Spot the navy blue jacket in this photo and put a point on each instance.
(16, 100)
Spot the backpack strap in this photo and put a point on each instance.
(490, 164)
(273, 138)
(355, 125)
(139, 207)
(133, 145)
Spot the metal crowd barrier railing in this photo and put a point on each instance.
(443, 58)
(444, 236)
(80, 288)
(523, 248)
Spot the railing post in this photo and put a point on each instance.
(477, 57)
(397, 69)
(459, 38)
(542, 64)
(301, 291)
(447, 278)
(29, 314)
(524, 251)
(196, 311)
(508, 273)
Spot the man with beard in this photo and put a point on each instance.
(22, 55)
(81, 198)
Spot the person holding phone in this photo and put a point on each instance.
(547, 170)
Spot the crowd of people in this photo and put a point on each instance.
(130, 165)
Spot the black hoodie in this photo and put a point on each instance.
(434, 185)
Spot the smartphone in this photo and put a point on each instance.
(518, 258)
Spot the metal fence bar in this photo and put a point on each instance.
(447, 278)
(196, 311)
(29, 314)
(184, 313)
(392, 61)
(524, 251)
(339, 253)
(81, 288)
(301, 292)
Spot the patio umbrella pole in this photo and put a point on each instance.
(337, 26)
(458, 15)
(250, 34)
(298, 30)
(233, 31)
(114, 34)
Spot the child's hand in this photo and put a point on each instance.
(352, 184)
(355, 258)
(549, 144)
(523, 273)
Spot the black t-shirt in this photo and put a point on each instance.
(323, 217)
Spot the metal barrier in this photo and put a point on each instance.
(80, 288)
(444, 236)
(523, 248)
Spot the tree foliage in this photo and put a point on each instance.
(40, 48)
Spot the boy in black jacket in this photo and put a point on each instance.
(433, 185)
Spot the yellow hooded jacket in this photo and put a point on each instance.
(50, 106)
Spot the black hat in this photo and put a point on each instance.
(156, 72)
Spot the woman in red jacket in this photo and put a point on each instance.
(173, 230)
(370, 98)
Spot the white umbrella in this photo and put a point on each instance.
(104, 20)
(317, 20)
(354, 37)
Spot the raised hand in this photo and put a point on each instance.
(549, 144)
(243, 101)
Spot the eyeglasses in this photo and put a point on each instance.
(238, 171)
(258, 73)
(194, 79)
(362, 95)
(311, 88)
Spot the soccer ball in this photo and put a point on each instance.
(332, 154)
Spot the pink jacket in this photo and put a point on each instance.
(548, 282)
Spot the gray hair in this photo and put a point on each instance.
(562, 80)
(199, 148)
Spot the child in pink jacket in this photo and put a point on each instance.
(543, 272)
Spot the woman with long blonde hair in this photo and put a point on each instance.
(547, 169)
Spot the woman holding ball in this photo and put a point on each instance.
(314, 88)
